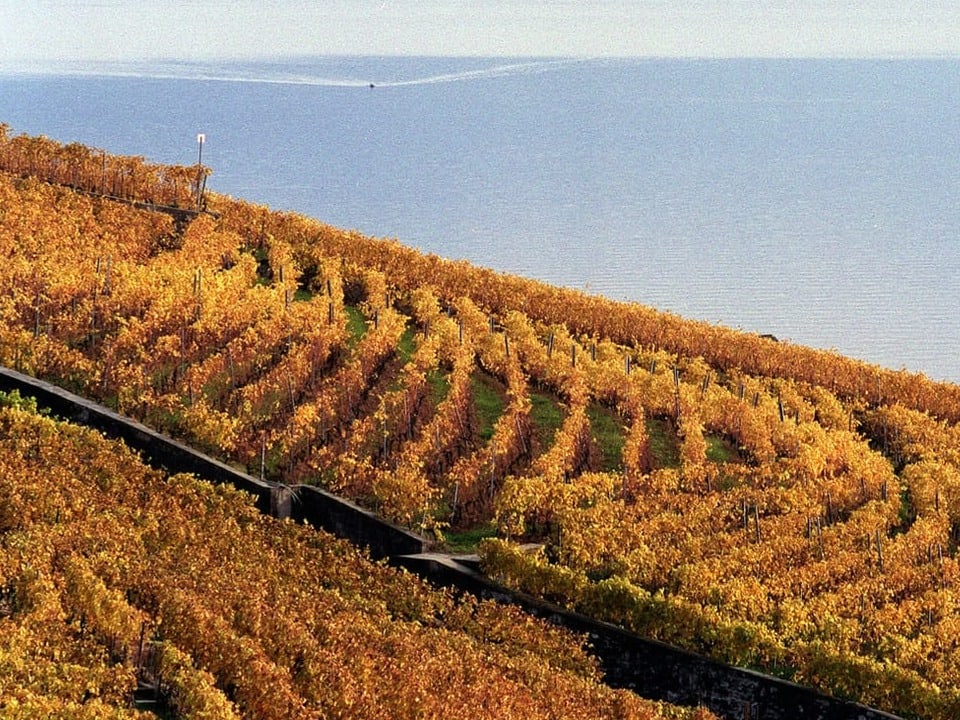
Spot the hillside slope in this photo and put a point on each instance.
(764, 503)
(112, 571)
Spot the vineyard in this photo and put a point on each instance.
(112, 573)
(127, 178)
(762, 503)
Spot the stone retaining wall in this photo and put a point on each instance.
(304, 503)
(653, 669)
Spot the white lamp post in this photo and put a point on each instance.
(201, 137)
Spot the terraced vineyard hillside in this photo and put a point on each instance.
(760, 502)
(112, 573)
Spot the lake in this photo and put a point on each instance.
(812, 199)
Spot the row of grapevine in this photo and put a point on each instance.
(95, 171)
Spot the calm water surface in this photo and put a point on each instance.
(812, 199)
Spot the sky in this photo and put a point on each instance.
(82, 31)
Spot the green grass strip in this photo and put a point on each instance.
(439, 382)
(356, 324)
(489, 400)
(721, 450)
(547, 416)
(664, 445)
(407, 345)
(465, 542)
(610, 434)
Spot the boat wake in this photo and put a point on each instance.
(280, 74)
(497, 71)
